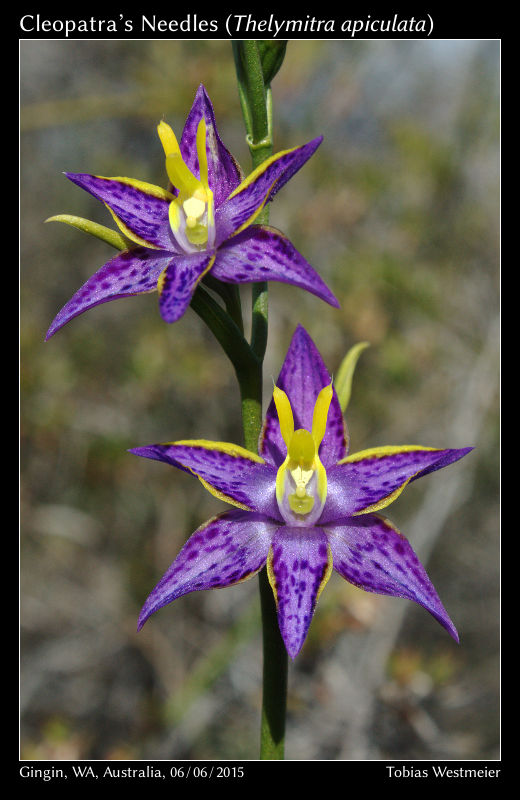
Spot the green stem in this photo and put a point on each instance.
(256, 100)
(226, 332)
(247, 359)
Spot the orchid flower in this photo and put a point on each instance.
(303, 506)
(203, 223)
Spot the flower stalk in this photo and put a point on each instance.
(256, 101)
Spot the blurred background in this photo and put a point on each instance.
(398, 211)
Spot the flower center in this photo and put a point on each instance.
(301, 481)
(191, 213)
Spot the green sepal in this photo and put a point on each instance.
(343, 380)
(111, 237)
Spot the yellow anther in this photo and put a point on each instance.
(193, 208)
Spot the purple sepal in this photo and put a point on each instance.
(237, 477)
(370, 553)
(143, 213)
(298, 568)
(226, 550)
(179, 282)
(224, 173)
(237, 210)
(356, 485)
(261, 253)
(302, 377)
(129, 273)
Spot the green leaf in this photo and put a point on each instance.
(343, 380)
(107, 235)
(272, 54)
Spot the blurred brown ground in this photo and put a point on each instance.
(398, 211)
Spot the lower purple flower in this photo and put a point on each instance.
(303, 506)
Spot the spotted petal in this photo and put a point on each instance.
(302, 377)
(129, 273)
(140, 209)
(245, 203)
(372, 479)
(224, 174)
(226, 550)
(178, 282)
(370, 553)
(229, 472)
(262, 253)
(298, 565)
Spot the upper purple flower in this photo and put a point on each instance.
(304, 506)
(205, 222)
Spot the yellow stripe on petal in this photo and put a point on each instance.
(251, 178)
(230, 449)
(220, 495)
(381, 452)
(210, 264)
(327, 573)
(256, 213)
(161, 279)
(233, 450)
(386, 501)
(130, 234)
(270, 574)
(147, 188)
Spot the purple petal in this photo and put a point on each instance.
(178, 283)
(131, 272)
(224, 174)
(230, 472)
(262, 253)
(239, 210)
(298, 568)
(226, 550)
(375, 478)
(370, 553)
(302, 377)
(140, 209)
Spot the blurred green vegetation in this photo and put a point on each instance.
(398, 211)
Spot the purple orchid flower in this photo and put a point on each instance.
(304, 506)
(205, 222)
